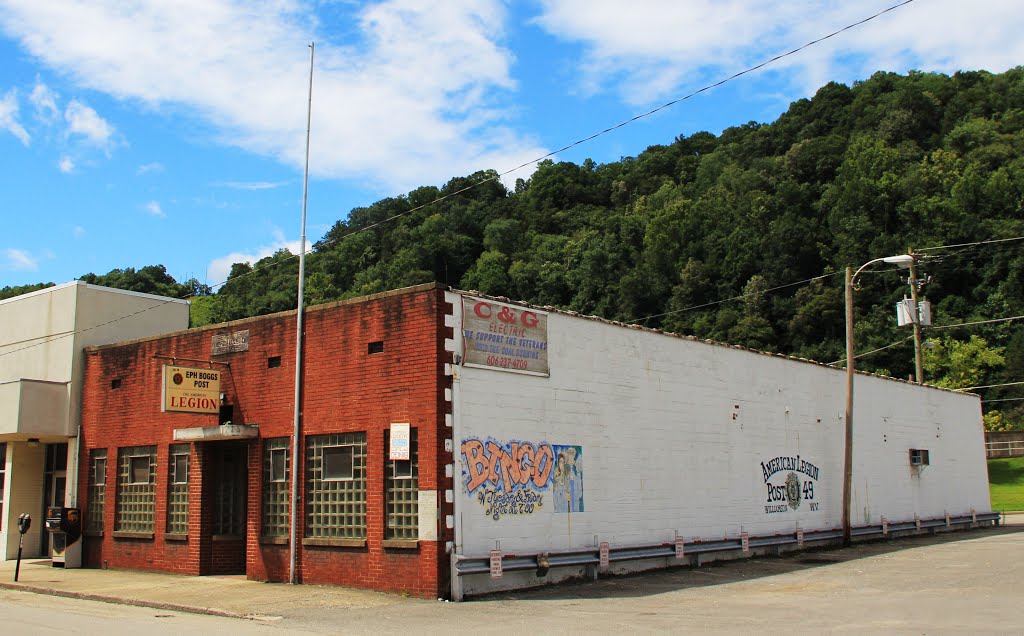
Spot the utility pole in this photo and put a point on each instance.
(918, 362)
(848, 440)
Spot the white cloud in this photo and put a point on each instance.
(66, 164)
(83, 120)
(9, 117)
(78, 232)
(219, 268)
(411, 93)
(154, 208)
(19, 260)
(148, 168)
(45, 102)
(654, 47)
(254, 185)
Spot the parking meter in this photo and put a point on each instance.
(24, 523)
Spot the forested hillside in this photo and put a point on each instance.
(720, 236)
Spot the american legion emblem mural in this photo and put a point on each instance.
(787, 490)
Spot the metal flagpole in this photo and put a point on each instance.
(293, 514)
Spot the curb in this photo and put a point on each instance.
(118, 600)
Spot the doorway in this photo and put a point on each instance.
(55, 483)
(228, 498)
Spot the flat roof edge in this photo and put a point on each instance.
(705, 341)
(290, 312)
(79, 283)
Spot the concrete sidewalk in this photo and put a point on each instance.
(231, 596)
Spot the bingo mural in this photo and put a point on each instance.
(520, 478)
(787, 491)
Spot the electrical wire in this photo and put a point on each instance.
(989, 386)
(977, 322)
(569, 146)
(867, 353)
(1003, 400)
(976, 243)
(726, 300)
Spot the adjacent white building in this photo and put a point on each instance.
(42, 335)
(635, 438)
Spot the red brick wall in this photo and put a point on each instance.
(345, 390)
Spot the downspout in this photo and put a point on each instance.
(456, 580)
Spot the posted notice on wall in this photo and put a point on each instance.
(399, 441)
(504, 337)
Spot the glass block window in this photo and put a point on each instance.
(401, 483)
(136, 489)
(336, 486)
(97, 490)
(177, 490)
(276, 488)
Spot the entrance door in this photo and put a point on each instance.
(228, 508)
(55, 482)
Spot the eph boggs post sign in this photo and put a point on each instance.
(191, 390)
(504, 337)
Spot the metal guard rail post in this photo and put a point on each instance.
(512, 562)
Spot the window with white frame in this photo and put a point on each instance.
(136, 489)
(336, 486)
(97, 490)
(177, 490)
(276, 488)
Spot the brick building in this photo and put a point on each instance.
(215, 497)
(540, 445)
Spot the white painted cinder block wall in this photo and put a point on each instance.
(674, 433)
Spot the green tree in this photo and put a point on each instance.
(956, 364)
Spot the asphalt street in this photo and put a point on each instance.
(949, 583)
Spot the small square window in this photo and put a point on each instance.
(338, 463)
(375, 347)
(918, 457)
(180, 468)
(138, 469)
(115, 384)
(273, 362)
(402, 468)
(278, 464)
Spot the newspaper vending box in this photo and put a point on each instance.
(65, 528)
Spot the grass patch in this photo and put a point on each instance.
(1006, 483)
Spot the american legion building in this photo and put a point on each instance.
(451, 444)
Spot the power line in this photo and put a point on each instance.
(976, 243)
(574, 144)
(977, 322)
(622, 124)
(726, 300)
(1003, 400)
(988, 386)
(867, 353)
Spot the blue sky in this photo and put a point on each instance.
(136, 133)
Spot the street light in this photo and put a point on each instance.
(903, 260)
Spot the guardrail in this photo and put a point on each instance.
(465, 566)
